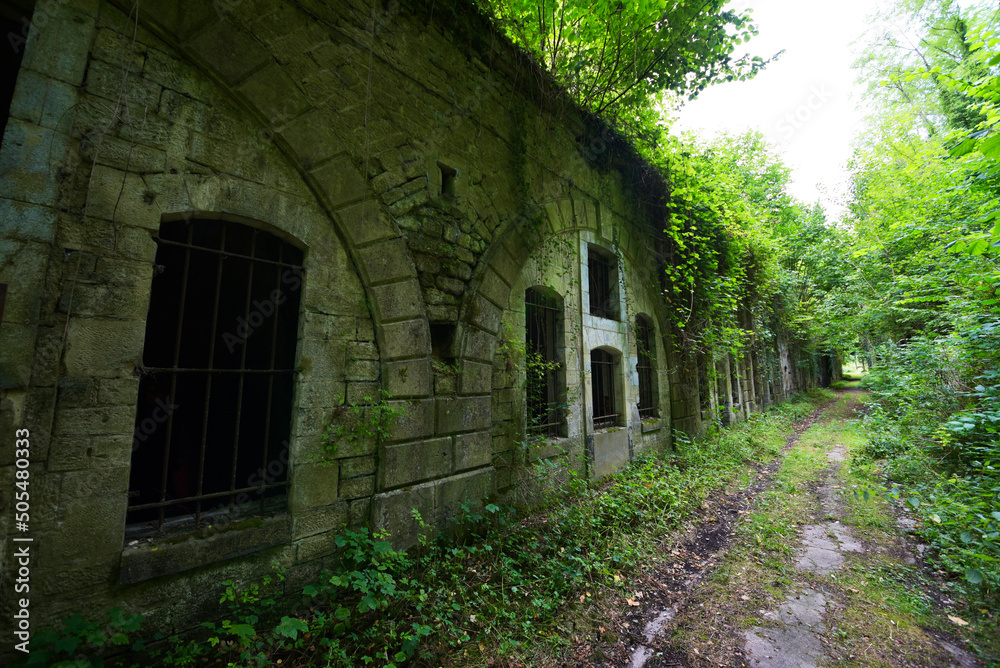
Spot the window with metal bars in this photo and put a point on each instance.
(215, 396)
(704, 395)
(543, 322)
(603, 369)
(646, 367)
(602, 269)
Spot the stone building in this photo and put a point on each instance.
(227, 228)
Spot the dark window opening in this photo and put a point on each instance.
(734, 379)
(15, 23)
(215, 398)
(543, 322)
(443, 342)
(602, 268)
(3, 300)
(646, 367)
(448, 176)
(704, 394)
(602, 368)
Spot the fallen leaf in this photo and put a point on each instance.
(958, 620)
(632, 602)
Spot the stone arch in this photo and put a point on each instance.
(251, 73)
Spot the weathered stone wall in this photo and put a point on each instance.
(427, 170)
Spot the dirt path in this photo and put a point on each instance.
(804, 567)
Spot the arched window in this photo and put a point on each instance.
(602, 270)
(604, 383)
(543, 324)
(646, 366)
(215, 397)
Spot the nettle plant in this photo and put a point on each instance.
(370, 419)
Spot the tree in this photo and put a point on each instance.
(614, 55)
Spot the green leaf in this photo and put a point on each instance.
(290, 627)
(974, 575)
(914, 501)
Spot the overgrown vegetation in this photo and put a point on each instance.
(499, 591)
(919, 300)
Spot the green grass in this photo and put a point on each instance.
(513, 590)
(882, 606)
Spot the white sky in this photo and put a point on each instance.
(805, 102)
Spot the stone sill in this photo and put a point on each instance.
(652, 424)
(165, 557)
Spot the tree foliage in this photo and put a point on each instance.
(613, 55)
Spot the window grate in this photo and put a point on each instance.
(214, 410)
(602, 369)
(646, 367)
(603, 280)
(543, 316)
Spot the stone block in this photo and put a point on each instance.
(22, 268)
(275, 94)
(362, 392)
(479, 345)
(118, 391)
(93, 483)
(229, 51)
(494, 288)
(361, 370)
(311, 137)
(319, 520)
(386, 261)
(416, 420)
(458, 414)
(237, 539)
(472, 488)
(409, 338)
(361, 512)
(342, 183)
(408, 463)
(119, 302)
(398, 301)
(321, 394)
(356, 466)
(17, 345)
(472, 451)
(60, 50)
(410, 378)
(29, 222)
(70, 454)
(314, 547)
(611, 452)
(356, 488)
(328, 327)
(313, 485)
(393, 512)
(485, 314)
(103, 348)
(475, 378)
(91, 529)
(76, 393)
(29, 162)
(110, 420)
